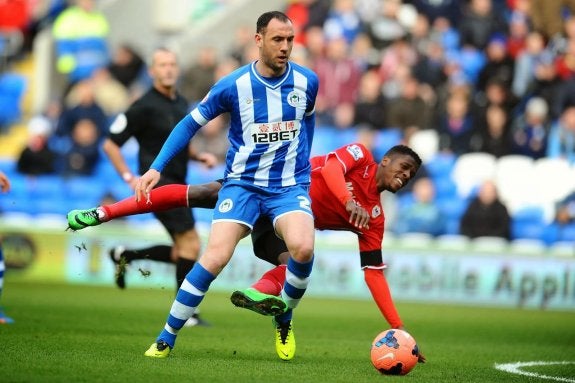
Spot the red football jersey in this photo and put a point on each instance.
(330, 214)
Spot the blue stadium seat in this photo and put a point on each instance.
(445, 188)
(18, 203)
(8, 166)
(528, 230)
(567, 233)
(324, 140)
(528, 222)
(12, 87)
(441, 165)
(46, 187)
(85, 188)
(384, 140)
(452, 208)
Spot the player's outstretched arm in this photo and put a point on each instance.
(377, 284)
(381, 294)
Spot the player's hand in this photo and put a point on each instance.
(146, 183)
(358, 216)
(4, 183)
(208, 159)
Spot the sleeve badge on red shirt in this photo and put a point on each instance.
(355, 151)
(375, 212)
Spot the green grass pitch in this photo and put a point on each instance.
(66, 333)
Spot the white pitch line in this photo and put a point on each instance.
(515, 368)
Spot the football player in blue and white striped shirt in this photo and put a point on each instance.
(271, 104)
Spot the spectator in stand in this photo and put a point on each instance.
(530, 129)
(212, 138)
(370, 105)
(225, 66)
(109, 93)
(519, 28)
(444, 32)
(80, 104)
(298, 12)
(433, 9)
(14, 20)
(242, 39)
(486, 215)
(315, 44)
(364, 53)
(198, 79)
(396, 63)
(499, 63)
(342, 21)
(83, 156)
(561, 139)
(547, 15)
(565, 61)
(429, 66)
(565, 210)
(533, 66)
(386, 26)
(37, 158)
(80, 34)
(479, 22)
(317, 12)
(494, 137)
(496, 93)
(422, 215)
(339, 77)
(409, 112)
(455, 125)
(128, 67)
(558, 44)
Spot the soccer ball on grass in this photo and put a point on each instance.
(394, 352)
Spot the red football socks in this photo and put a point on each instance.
(272, 281)
(162, 198)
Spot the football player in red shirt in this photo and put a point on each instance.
(345, 192)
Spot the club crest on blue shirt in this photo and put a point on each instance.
(296, 99)
(226, 205)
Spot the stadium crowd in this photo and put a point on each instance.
(447, 77)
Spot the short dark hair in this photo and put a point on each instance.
(404, 150)
(265, 19)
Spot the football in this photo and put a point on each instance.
(394, 352)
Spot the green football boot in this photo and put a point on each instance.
(80, 219)
(260, 303)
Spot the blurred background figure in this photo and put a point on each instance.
(531, 128)
(80, 34)
(486, 215)
(561, 139)
(84, 154)
(197, 80)
(421, 214)
(212, 138)
(128, 67)
(565, 210)
(37, 158)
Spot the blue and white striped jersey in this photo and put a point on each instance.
(271, 125)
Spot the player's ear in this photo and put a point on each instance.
(258, 38)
